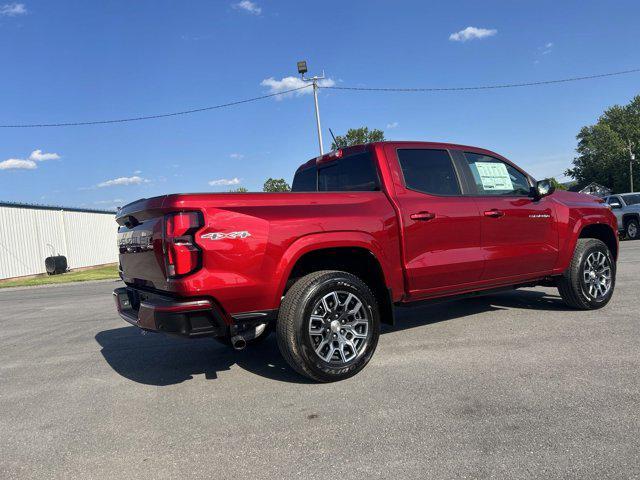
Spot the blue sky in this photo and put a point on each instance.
(86, 60)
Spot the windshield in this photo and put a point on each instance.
(631, 199)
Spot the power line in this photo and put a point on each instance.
(151, 117)
(483, 87)
(270, 95)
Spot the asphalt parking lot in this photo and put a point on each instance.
(512, 385)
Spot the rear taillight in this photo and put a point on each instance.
(182, 255)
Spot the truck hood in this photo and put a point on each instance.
(576, 199)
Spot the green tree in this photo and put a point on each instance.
(238, 190)
(357, 136)
(557, 184)
(276, 185)
(603, 148)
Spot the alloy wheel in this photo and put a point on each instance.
(339, 327)
(596, 275)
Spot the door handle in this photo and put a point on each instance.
(424, 216)
(494, 213)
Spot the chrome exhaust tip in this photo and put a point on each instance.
(238, 342)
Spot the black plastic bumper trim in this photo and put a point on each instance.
(262, 316)
(154, 312)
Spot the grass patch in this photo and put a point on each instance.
(105, 272)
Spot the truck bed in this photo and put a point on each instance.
(233, 262)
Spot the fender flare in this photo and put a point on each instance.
(323, 240)
(580, 224)
(625, 216)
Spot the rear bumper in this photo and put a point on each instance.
(158, 313)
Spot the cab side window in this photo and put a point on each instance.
(630, 199)
(495, 177)
(429, 171)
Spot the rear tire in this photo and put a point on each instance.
(328, 325)
(632, 230)
(589, 281)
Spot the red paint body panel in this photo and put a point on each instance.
(524, 240)
(575, 211)
(443, 252)
(249, 274)
(456, 249)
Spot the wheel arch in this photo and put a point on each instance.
(630, 216)
(357, 253)
(601, 232)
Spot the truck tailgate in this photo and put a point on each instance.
(140, 243)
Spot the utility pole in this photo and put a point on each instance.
(302, 69)
(632, 157)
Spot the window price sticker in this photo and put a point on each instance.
(494, 176)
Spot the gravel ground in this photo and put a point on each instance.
(511, 385)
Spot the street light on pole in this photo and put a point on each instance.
(302, 69)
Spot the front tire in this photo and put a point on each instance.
(589, 281)
(328, 326)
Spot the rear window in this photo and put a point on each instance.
(354, 173)
(305, 180)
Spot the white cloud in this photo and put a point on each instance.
(17, 164)
(392, 125)
(236, 156)
(28, 163)
(222, 182)
(472, 33)
(12, 9)
(545, 49)
(290, 83)
(135, 180)
(39, 156)
(137, 172)
(248, 6)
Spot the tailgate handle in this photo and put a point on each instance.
(423, 216)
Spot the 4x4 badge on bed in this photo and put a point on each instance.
(221, 235)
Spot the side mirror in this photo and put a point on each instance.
(543, 188)
(615, 205)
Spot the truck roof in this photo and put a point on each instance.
(342, 152)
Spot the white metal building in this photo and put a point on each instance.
(30, 233)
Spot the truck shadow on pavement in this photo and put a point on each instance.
(161, 360)
(423, 314)
(158, 359)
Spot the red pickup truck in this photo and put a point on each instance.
(365, 228)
